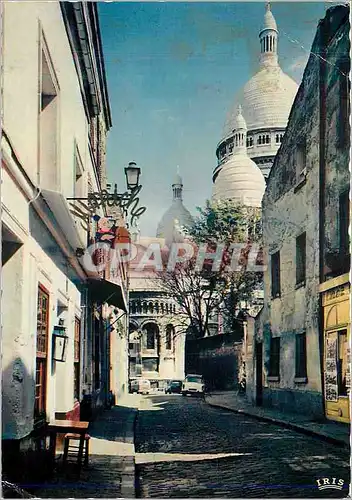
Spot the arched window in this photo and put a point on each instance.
(251, 141)
(145, 308)
(150, 308)
(277, 138)
(268, 139)
(281, 136)
(170, 334)
(156, 307)
(162, 308)
(150, 333)
(260, 139)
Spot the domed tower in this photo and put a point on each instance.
(177, 216)
(267, 99)
(239, 179)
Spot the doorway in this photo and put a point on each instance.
(259, 373)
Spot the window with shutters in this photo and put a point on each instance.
(41, 352)
(275, 275)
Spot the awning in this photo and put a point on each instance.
(105, 291)
(61, 210)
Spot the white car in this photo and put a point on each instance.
(193, 384)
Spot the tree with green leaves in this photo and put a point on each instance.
(229, 231)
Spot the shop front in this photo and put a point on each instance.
(337, 371)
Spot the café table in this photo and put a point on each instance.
(65, 426)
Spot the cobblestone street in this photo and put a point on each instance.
(185, 448)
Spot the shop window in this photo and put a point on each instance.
(342, 364)
(274, 361)
(275, 275)
(301, 355)
(41, 353)
(77, 364)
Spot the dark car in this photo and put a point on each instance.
(174, 387)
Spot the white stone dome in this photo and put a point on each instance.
(266, 100)
(176, 217)
(240, 180)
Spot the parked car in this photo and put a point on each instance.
(140, 386)
(174, 387)
(193, 384)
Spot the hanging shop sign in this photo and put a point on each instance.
(128, 202)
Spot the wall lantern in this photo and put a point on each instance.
(59, 343)
(132, 173)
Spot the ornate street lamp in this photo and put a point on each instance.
(132, 173)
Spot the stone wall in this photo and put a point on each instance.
(291, 206)
(217, 358)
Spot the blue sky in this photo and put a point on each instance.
(173, 70)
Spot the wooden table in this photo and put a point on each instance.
(64, 426)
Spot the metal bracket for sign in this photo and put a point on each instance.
(127, 202)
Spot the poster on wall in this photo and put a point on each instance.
(331, 386)
(348, 373)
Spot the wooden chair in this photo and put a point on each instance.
(72, 450)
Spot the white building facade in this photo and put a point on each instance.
(55, 118)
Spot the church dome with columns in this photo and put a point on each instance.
(240, 179)
(176, 217)
(266, 101)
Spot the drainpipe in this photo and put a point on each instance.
(323, 33)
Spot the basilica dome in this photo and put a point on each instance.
(266, 100)
(176, 217)
(240, 179)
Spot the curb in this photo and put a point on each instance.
(284, 423)
(128, 476)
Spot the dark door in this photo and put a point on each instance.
(259, 372)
